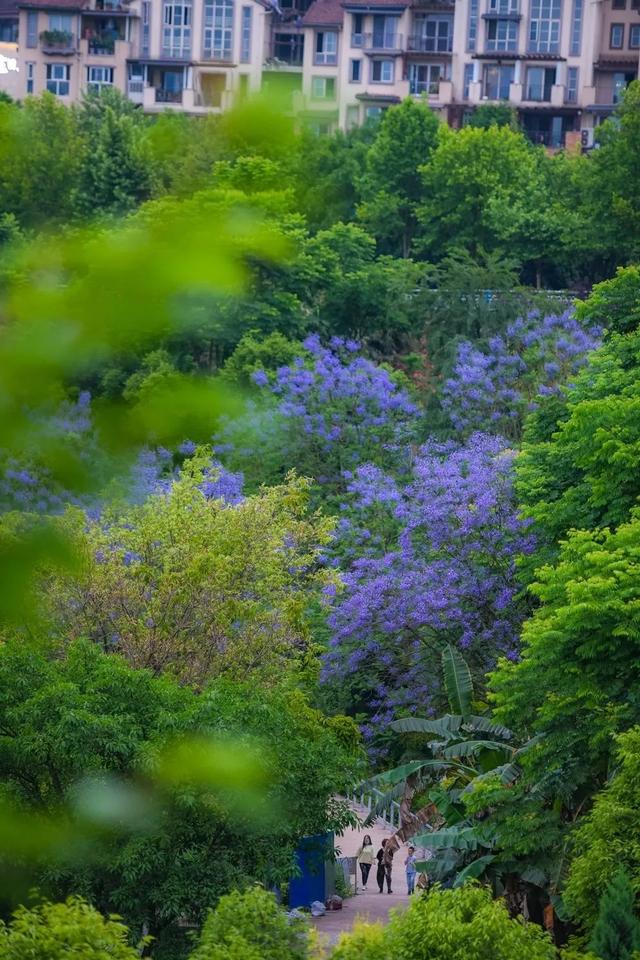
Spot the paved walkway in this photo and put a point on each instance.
(370, 904)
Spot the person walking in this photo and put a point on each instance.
(380, 870)
(388, 864)
(410, 867)
(365, 859)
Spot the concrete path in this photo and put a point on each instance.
(370, 904)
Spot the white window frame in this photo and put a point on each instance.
(325, 47)
(435, 73)
(319, 88)
(57, 84)
(102, 73)
(545, 26)
(383, 63)
(61, 21)
(217, 41)
(176, 29)
(31, 72)
(246, 27)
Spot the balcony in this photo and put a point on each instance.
(538, 92)
(609, 93)
(418, 43)
(168, 96)
(58, 42)
(380, 42)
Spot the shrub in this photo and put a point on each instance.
(59, 931)
(616, 935)
(614, 304)
(365, 942)
(251, 926)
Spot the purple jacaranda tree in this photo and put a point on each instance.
(429, 562)
(324, 415)
(492, 388)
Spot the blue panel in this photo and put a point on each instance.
(311, 858)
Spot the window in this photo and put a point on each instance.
(374, 113)
(425, 78)
(99, 77)
(496, 81)
(634, 36)
(572, 85)
(433, 34)
(245, 37)
(218, 29)
(8, 31)
(385, 33)
(502, 35)
(58, 79)
(30, 73)
(176, 30)
(503, 6)
(382, 71)
(357, 30)
(355, 71)
(539, 83)
(472, 26)
(616, 37)
(61, 21)
(576, 28)
(326, 47)
(146, 26)
(620, 84)
(468, 79)
(32, 28)
(619, 5)
(353, 116)
(289, 47)
(544, 28)
(323, 88)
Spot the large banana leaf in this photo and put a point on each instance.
(471, 748)
(457, 681)
(473, 870)
(484, 725)
(398, 774)
(452, 838)
(447, 726)
(506, 773)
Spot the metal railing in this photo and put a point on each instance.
(168, 96)
(419, 87)
(389, 814)
(379, 41)
(57, 41)
(136, 86)
(421, 44)
(102, 46)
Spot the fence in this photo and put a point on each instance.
(389, 814)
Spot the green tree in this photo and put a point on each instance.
(189, 584)
(254, 353)
(493, 115)
(326, 173)
(616, 935)
(392, 186)
(614, 304)
(58, 931)
(608, 837)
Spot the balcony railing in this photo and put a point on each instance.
(538, 92)
(57, 41)
(546, 138)
(379, 41)
(609, 94)
(135, 87)
(325, 59)
(424, 87)
(102, 46)
(168, 96)
(491, 91)
(422, 44)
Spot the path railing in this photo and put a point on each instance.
(389, 813)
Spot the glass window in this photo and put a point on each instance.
(374, 113)
(357, 30)
(502, 35)
(544, 28)
(572, 85)
(146, 26)
(8, 31)
(32, 28)
(616, 37)
(539, 83)
(326, 47)
(176, 30)
(619, 5)
(385, 32)
(58, 79)
(634, 36)
(99, 77)
(503, 6)
(355, 71)
(382, 71)
(496, 81)
(30, 76)
(218, 29)
(468, 79)
(61, 21)
(323, 88)
(576, 28)
(425, 78)
(245, 39)
(472, 26)
(433, 34)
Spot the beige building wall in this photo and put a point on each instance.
(10, 79)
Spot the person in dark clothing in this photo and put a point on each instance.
(387, 861)
(380, 873)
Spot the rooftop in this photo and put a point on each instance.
(324, 13)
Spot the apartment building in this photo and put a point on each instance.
(562, 64)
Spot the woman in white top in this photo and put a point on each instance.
(365, 859)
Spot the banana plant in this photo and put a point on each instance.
(463, 749)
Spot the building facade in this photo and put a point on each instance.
(562, 64)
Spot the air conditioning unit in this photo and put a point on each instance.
(586, 137)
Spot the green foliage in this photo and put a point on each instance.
(259, 353)
(493, 115)
(614, 304)
(464, 924)
(58, 931)
(616, 934)
(608, 837)
(251, 924)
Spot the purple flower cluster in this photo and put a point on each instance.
(340, 408)
(493, 388)
(437, 565)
